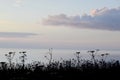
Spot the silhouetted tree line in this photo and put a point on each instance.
(72, 69)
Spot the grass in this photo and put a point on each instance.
(73, 69)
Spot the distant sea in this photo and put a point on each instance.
(58, 54)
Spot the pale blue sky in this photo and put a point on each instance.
(39, 8)
(64, 29)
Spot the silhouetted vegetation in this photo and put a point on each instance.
(73, 69)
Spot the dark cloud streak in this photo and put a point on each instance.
(15, 34)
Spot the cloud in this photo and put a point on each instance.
(15, 34)
(103, 19)
(5, 22)
(18, 2)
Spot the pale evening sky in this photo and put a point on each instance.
(73, 24)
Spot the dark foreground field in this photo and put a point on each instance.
(60, 71)
(73, 69)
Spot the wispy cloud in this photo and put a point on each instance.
(103, 19)
(18, 2)
(15, 34)
(5, 22)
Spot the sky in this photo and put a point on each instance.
(60, 24)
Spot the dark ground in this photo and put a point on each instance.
(63, 71)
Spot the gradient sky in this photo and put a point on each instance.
(72, 24)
